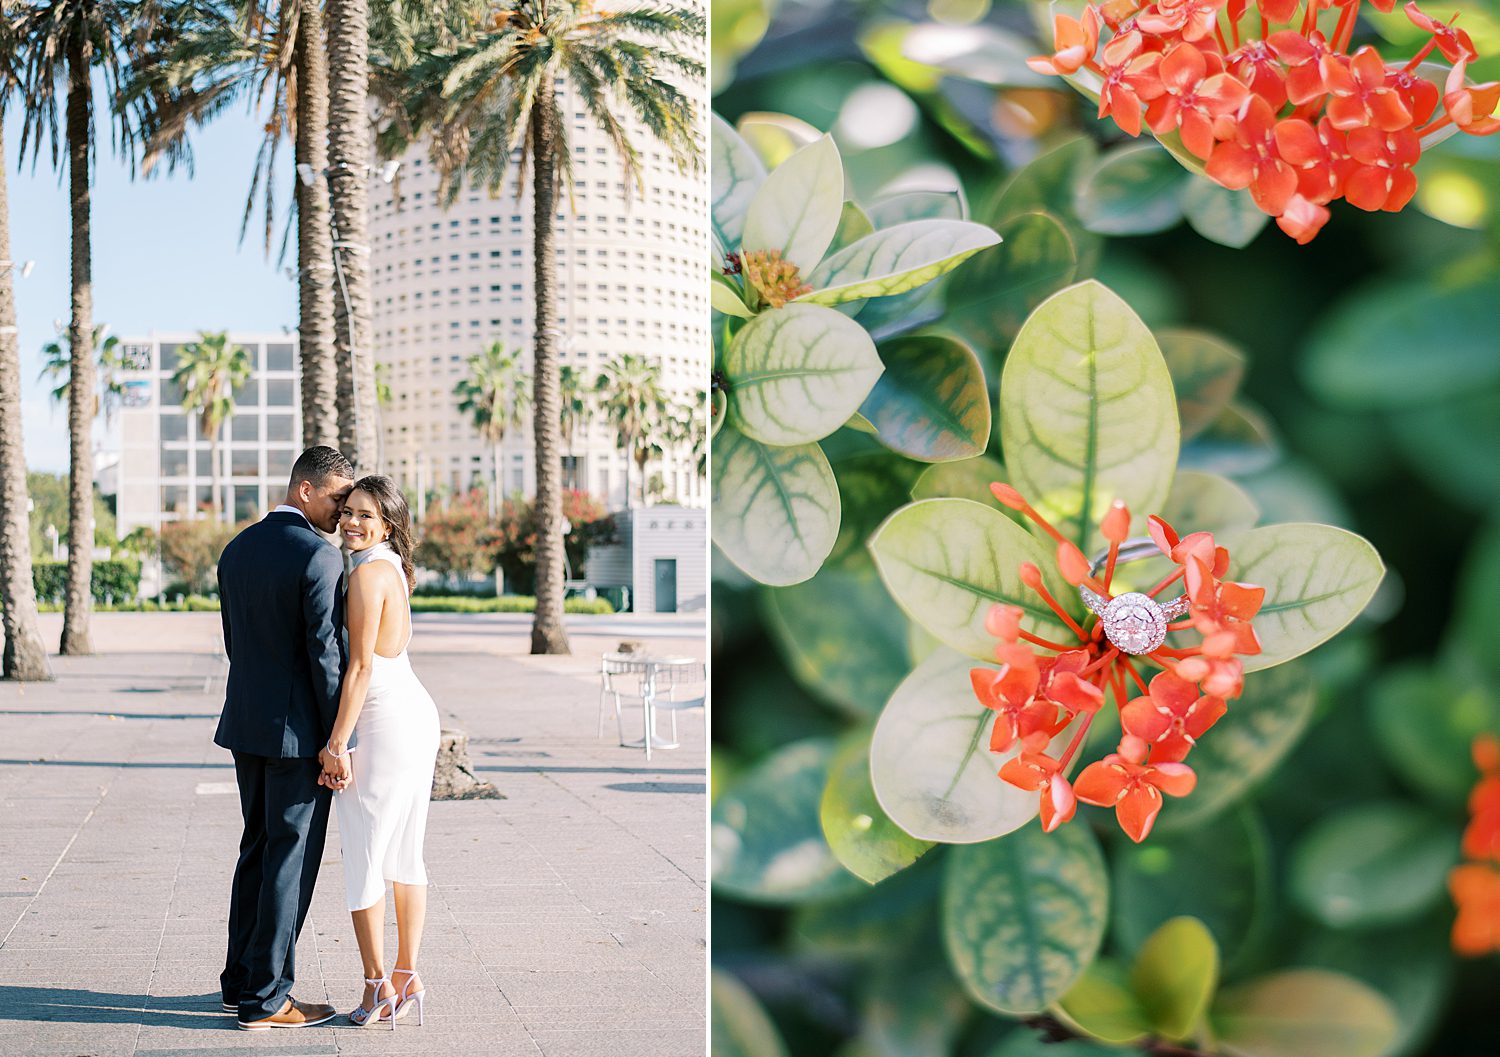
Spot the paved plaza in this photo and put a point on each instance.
(567, 919)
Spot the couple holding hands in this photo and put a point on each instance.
(321, 700)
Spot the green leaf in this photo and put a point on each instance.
(918, 205)
(1425, 720)
(1219, 874)
(871, 922)
(992, 295)
(854, 224)
(947, 561)
(1045, 184)
(896, 259)
(965, 479)
(1136, 189)
(1411, 966)
(1103, 1005)
(775, 510)
(1451, 445)
(725, 298)
(1403, 343)
(1175, 974)
(1230, 218)
(739, 1024)
(1239, 442)
(1206, 373)
(1259, 729)
(930, 760)
(776, 137)
(862, 836)
(718, 411)
(930, 404)
(736, 175)
(1023, 917)
(1087, 414)
(874, 483)
(765, 835)
(841, 636)
(1209, 503)
(1300, 1013)
(913, 1006)
(1317, 579)
(797, 209)
(797, 373)
(1373, 864)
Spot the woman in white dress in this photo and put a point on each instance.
(387, 732)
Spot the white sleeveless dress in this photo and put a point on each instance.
(383, 811)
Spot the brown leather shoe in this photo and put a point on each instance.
(295, 1015)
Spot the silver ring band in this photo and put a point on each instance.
(1134, 623)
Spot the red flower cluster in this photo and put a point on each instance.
(1290, 114)
(1044, 686)
(1476, 885)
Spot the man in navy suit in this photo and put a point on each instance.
(281, 604)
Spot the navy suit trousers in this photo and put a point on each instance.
(286, 820)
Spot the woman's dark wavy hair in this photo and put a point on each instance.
(397, 516)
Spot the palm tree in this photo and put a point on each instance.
(58, 44)
(495, 395)
(498, 93)
(57, 364)
(632, 399)
(208, 372)
(573, 398)
(348, 177)
(222, 53)
(25, 656)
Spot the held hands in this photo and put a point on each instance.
(337, 771)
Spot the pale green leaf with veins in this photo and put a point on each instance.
(897, 259)
(775, 510)
(797, 209)
(736, 174)
(797, 373)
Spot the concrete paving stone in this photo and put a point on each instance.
(604, 987)
(149, 872)
(666, 1042)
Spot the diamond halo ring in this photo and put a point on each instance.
(1133, 622)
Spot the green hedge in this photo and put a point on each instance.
(502, 604)
(119, 580)
(450, 604)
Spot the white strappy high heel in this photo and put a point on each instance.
(407, 1001)
(365, 1017)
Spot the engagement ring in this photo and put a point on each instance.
(1133, 622)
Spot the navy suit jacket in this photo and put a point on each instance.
(283, 612)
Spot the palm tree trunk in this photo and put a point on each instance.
(25, 657)
(547, 632)
(79, 602)
(315, 276)
(213, 475)
(629, 458)
(495, 474)
(350, 155)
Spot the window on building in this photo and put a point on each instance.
(202, 463)
(279, 463)
(244, 462)
(174, 462)
(169, 357)
(174, 499)
(280, 393)
(280, 427)
(246, 502)
(279, 357)
(169, 392)
(244, 427)
(174, 427)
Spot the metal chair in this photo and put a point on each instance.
(616, 669)
(676, 685)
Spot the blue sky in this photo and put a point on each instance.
(167, 256)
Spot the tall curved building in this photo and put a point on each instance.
(448, 281)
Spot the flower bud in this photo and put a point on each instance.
(1007, 496)
(1116, 524)
(1071, 563)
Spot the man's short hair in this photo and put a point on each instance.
(317, 464)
